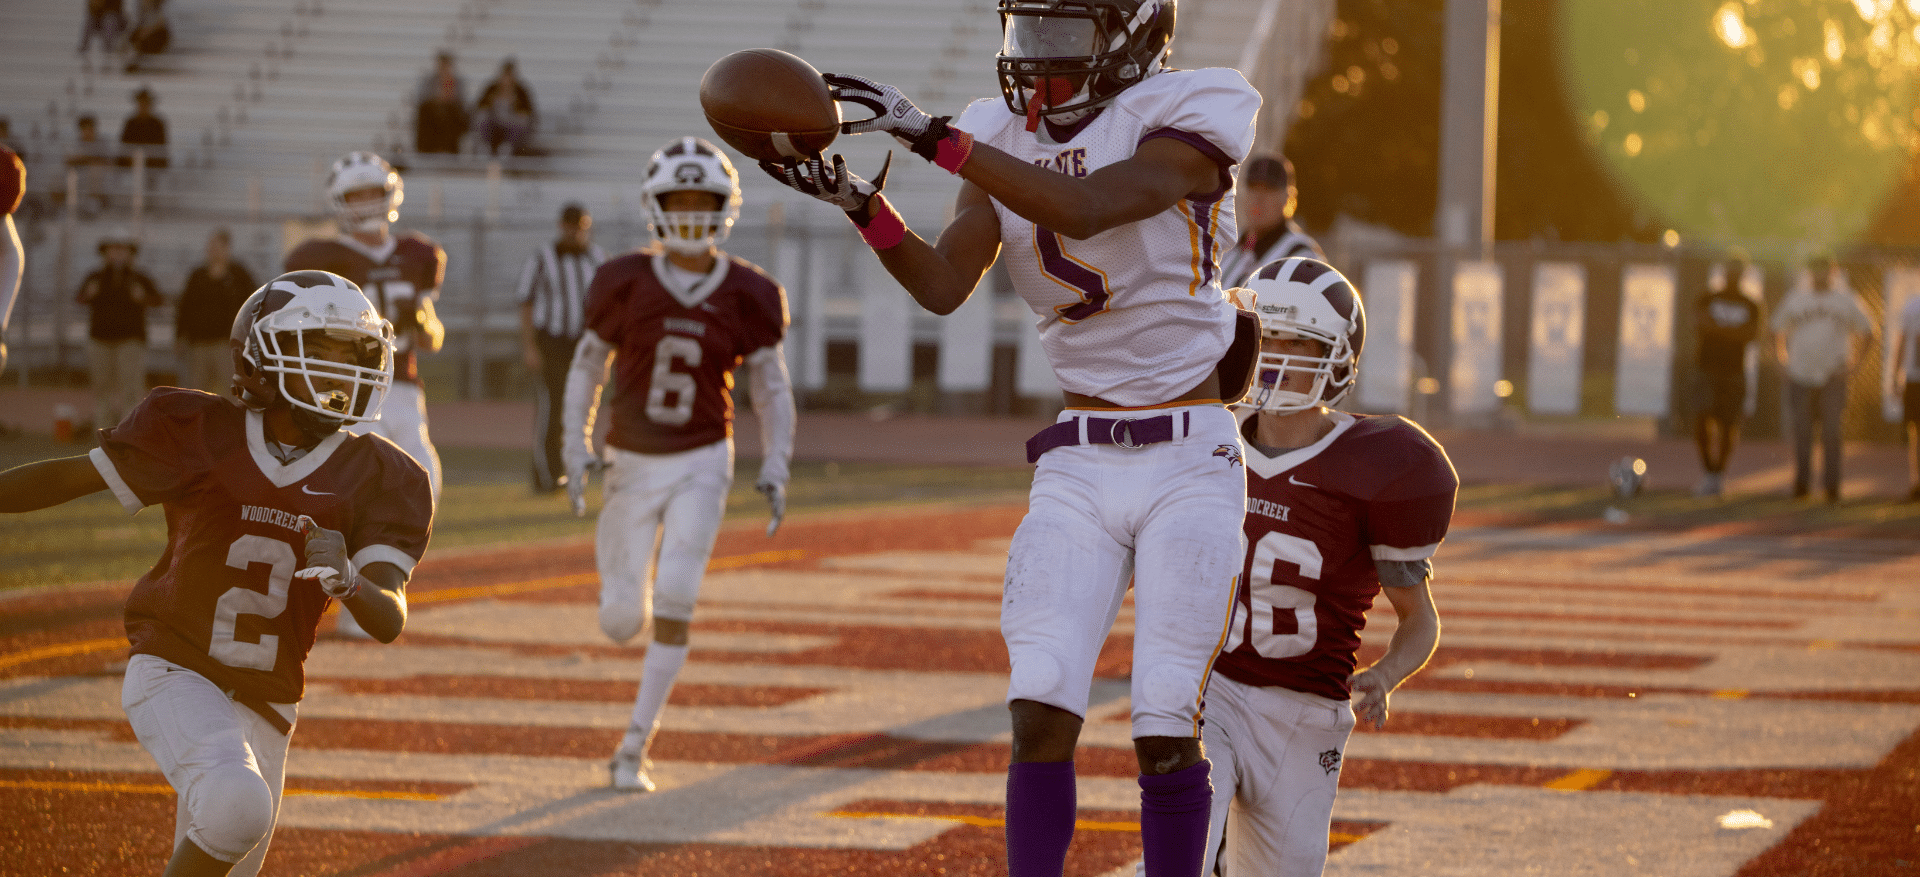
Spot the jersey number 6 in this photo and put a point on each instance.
(1271, 600)
(668, 382)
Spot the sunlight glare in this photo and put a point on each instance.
(1732, 26)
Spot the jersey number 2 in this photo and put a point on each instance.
(668, 382)
(1271, 600)
(243, 554)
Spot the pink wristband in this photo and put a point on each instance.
(953, 150)
(886, 230)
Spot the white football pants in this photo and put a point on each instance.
(1276, 765)
(226, 763)
(658, 519)
(403, 421)
(1166, 517)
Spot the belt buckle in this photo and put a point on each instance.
(1120, 427)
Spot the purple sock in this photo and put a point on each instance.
(1041, 807)
(1173, 820)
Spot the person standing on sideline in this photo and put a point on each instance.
(553, 303)
(1268, 199)
(1729, 322)
(13, 257)
(1107, 181)
(1820, 332)
(671, 324)
(117, 296)
(203, 321)
(273, 514)
(1904, 381)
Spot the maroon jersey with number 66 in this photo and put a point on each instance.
(673, 375)
(1317, 519)
(222, 600)
(410, 266)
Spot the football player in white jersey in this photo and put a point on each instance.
(1108, 181)
(1338, 505)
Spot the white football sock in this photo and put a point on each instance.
(662, 666)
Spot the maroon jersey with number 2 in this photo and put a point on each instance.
(222, 600)
(673, 376)
(1317, 518)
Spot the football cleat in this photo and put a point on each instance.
(628, 772)
(1306, 298)
(312, 340)
(690, 164)
(1072, 57)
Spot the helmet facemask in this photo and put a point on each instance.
(360, 172)
(1278, 376)
(1301, 298)
(1063, 59)
(325, 355)
(690, 164)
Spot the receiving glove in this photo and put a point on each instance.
(577, 483)
(840, 187)
(327, 560)
(776, 494)
(892, 113)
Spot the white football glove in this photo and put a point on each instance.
(327, 560)
(776, 494)
(577, 484)
(892, 113)
(840, 187)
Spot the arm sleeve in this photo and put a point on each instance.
(523, 291)
(1409, 516)
(592, 358)
(13, 263)
(773, 406)
(395, 527)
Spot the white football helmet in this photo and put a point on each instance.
(364, 170)
(690, 164)
(1306, 298)
(271, 338)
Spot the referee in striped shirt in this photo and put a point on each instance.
(553, 300)
(1267, 200)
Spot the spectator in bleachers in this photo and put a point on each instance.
(151, 34)
(440, 108)
(106, 19)
(204, 322)
(504, 114)
(117, 295)
(143, 131)
(90, 156)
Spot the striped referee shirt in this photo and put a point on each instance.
(1251, 253)
(555, 282)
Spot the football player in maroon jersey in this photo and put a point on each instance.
(672, 323)
(1338, 506)
(13, 259)
(400, 273)
(273, 512)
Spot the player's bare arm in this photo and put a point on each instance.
(1407, 586)
(1160, 173)
(48, 483)
(940, 276)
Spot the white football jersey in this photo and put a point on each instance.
(1133, 315)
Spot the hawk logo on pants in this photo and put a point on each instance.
(1231, 452)
(1330, 760)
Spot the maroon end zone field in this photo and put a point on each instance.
(1603, 702)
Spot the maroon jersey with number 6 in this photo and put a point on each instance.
(222, 600)
(1317, 519)
(677, 348)
(409, 267)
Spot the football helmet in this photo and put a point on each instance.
(278, 354)
(1063, 59)
(1306, 298)
(364, 170)
(690, 164)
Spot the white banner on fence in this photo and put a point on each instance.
(966, 343)
(886, 331)
(1643, 382)
(1476, 338)
(1902, 286)
(1386, 362)
(1557, 345)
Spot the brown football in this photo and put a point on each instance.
(770, 105)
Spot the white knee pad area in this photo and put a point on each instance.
(232, 811)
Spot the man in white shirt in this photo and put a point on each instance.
(1820, 331)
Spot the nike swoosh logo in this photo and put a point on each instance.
(311, 492)
(1298, 483)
